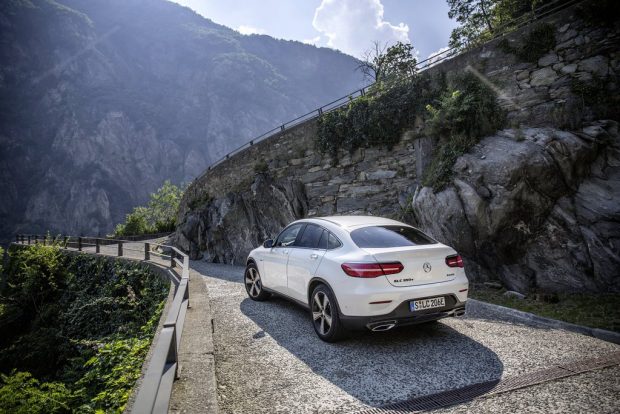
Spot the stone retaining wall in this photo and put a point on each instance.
(380, 181)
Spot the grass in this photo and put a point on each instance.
(595, 311)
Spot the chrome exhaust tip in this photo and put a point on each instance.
(382, 326)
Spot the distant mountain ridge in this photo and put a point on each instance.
(101, 101)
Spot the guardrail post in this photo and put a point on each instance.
(172, 356)
(79, 243)
(120, 248)
(320, 111)
(147, 251)
(17, 238)
(362, 92)
(66, 242)
(28, 239)
(172, 263)
(282, 128)
(97, 246)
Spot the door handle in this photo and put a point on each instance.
(314, 256)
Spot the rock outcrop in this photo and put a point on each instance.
(226, 228)
(102, 101)
(537, 208)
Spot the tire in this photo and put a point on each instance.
(325, 315)
(254, 284)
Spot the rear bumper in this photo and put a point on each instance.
(402, 316)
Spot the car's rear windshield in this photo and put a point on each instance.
(389, 236)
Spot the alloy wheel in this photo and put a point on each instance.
(252, 282)
(322, 313)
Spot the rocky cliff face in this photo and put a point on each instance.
(101, 101)
(226, 228)
(537, 208)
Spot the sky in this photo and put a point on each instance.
(350, 26)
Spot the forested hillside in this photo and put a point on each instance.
(102, 101)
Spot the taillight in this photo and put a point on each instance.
(368, 270)
(454, 261)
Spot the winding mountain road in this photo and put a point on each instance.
(268, 359)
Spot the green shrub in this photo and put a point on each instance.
(379, 118)
(261, 167)
(81, 327)
(466, 112)
(537, 43)
(158, 216)
(20, 393)
(200, 201)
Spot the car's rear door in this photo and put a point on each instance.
(304, 258)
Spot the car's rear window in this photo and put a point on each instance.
(389, 236)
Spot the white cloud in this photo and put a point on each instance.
(352, 25)
(312, 41)
(436, 56)
(248, 30)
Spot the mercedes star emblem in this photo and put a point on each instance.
(426, 267)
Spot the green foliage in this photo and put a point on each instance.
(379, 118)
(591, 93)
(593, 310)
(480, 20)
(201, 200)
(385, 65)
(466, 112)
(81, 325)
(261, 167)
(537, 43)
(599, 12)
(157, 217)
(20, 393)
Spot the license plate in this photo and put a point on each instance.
(423, 304)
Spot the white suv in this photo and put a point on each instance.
(355, 272)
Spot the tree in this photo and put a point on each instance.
(382, 63)
(475, 19)
(480, 20)
(164, 205)
(157, 217)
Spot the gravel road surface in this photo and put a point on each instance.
(268, 359)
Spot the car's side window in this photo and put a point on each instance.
(333, 242)
(288, 236)
(323, 240)
(310, 237)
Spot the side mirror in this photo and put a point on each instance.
(268, 244)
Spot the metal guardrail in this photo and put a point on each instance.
(154, 392)
(501, 31)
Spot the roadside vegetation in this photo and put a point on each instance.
(457, 111)
(75, 330)
(592, 310)
(158, 216)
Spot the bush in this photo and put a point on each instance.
(537, 43)
(21, 393)
(158, 216)
(377, 119)
(466, 112)
(81, 327)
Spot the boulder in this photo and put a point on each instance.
(541, 213)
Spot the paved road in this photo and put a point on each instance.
(268, 359)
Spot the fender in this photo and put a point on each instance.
(323, 281)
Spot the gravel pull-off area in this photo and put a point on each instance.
(268, 359)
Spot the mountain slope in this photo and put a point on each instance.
(101, 101)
